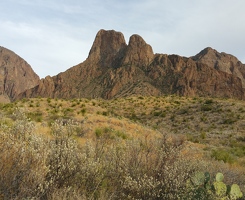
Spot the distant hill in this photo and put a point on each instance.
(16, 75)
(116, 69)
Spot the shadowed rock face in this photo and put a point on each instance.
(115, 69)
(16, 75)
(107, 45)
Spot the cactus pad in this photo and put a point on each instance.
(220, 188)
(198, 179)
(235, 192)
(219, 177)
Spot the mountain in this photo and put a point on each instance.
(222, 62)
(16, 75)
(116, 69)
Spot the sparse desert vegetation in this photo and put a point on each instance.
(129, 148)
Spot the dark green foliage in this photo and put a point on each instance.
(35, 116)
(222, 154)
(209, 101)
(83, 111)
(206, 107)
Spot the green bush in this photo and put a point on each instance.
(206, 107)
(209, 101)
(35, 116)
(222, 154)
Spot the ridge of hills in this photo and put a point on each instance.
(115, 69)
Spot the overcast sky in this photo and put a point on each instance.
(54, 35)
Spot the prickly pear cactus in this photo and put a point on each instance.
(220, 189)
(207, 177)
(219, 177)
(235, 192)
(198, 179)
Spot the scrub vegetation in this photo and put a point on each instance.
(131, 148)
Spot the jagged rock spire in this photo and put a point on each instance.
(138, 51)
(106, 45)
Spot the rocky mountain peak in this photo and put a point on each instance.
(138, 51)
(222, 62)
(16, 75)
(114, 69)
(208, 55)
(106, 45)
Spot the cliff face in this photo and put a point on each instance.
(16, 75)
(222, 62)
(115, 69)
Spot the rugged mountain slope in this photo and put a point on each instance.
(223, 62)
(16, 75)
(115, 69)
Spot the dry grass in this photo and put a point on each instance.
(212, 127)
(218, 124)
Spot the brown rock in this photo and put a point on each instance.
(138, 52)
(222, 62)
(115, 69)
(106, 46)
(16, 75)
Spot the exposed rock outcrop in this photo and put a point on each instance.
(222, 62)
(115, 69)
(106, 46)
(16, 75)
(138, 52)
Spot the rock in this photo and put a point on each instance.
(138, 52)
(16, 75)
(106, 46)
(115, 69)
(222, 62)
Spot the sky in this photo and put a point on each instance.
(54, 35)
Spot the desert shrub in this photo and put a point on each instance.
(83, 111)
(105, 133)
(157, 113)
(183, 111)
(58, 167)
(222, 155)
(35, 116)
(121, 134)
(209, 101)
(206, 107)
(203, 135)
(23, 155)
(64, 158)
(105, 113)
(229, 120)
(153, 170)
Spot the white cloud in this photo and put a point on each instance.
(48, 49)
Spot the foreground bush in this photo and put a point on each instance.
(57, 167)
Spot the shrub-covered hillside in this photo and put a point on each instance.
(132, 148)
